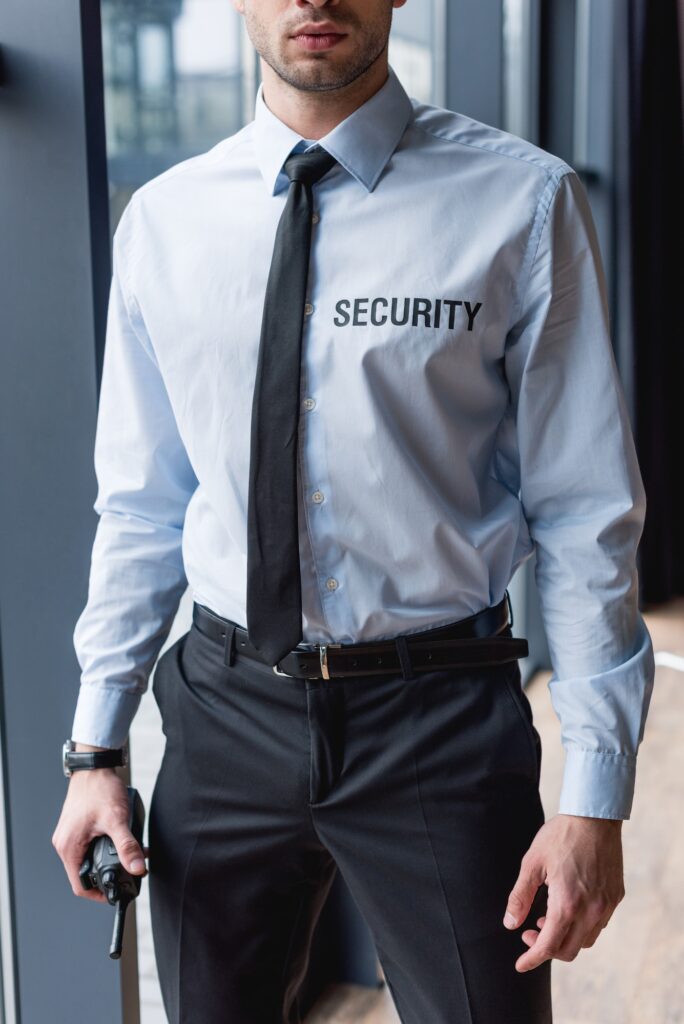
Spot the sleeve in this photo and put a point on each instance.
(584, 502)
(145, 481)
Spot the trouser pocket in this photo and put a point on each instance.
(519, 699)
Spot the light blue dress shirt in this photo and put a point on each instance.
(460, 408)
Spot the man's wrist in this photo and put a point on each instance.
(78, 747)
(615, 822)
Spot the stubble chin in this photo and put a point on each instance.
(317, 73)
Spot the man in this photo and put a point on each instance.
(358, 368)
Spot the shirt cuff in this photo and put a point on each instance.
(103, 715)
(598, 784)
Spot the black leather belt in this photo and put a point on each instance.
(481, 639)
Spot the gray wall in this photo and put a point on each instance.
(54, 276)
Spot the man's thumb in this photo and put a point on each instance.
(130, 852)
(521, 895)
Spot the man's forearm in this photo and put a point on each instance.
(145, 482)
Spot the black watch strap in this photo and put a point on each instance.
(83, 760)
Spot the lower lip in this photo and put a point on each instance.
(322, 42)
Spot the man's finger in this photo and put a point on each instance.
(574, 939)
(523, 892)
(549, 940)
(129, 851)
(529, 936)
(585, 938)
(593, 935)
(72, 866)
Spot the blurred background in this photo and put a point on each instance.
(95, 99)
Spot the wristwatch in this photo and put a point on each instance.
(78, 760)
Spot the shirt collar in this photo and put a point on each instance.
(362, 143)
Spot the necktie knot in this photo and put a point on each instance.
(309, 167)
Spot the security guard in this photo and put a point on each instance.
(357, 370)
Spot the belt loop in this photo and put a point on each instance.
(404, 657)
(229, 648)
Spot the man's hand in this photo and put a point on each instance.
(580, 860)
(96, 804)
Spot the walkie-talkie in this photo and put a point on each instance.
(102, 869)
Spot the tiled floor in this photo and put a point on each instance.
(633, 974)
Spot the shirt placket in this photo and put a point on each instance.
(317, 482)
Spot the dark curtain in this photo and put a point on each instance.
(656, 158)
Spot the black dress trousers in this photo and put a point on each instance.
(423, 792)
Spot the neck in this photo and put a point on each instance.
(314, 113)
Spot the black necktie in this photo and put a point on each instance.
(274, 593)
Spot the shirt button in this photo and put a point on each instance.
(315, 218)
(308, 309)
(317, 496)
(309, 403)
(331, 583)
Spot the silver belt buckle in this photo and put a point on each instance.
(279, 673)
(510, 611)
(323, 655)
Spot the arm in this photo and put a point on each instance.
(145, 481)
(584, 502)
